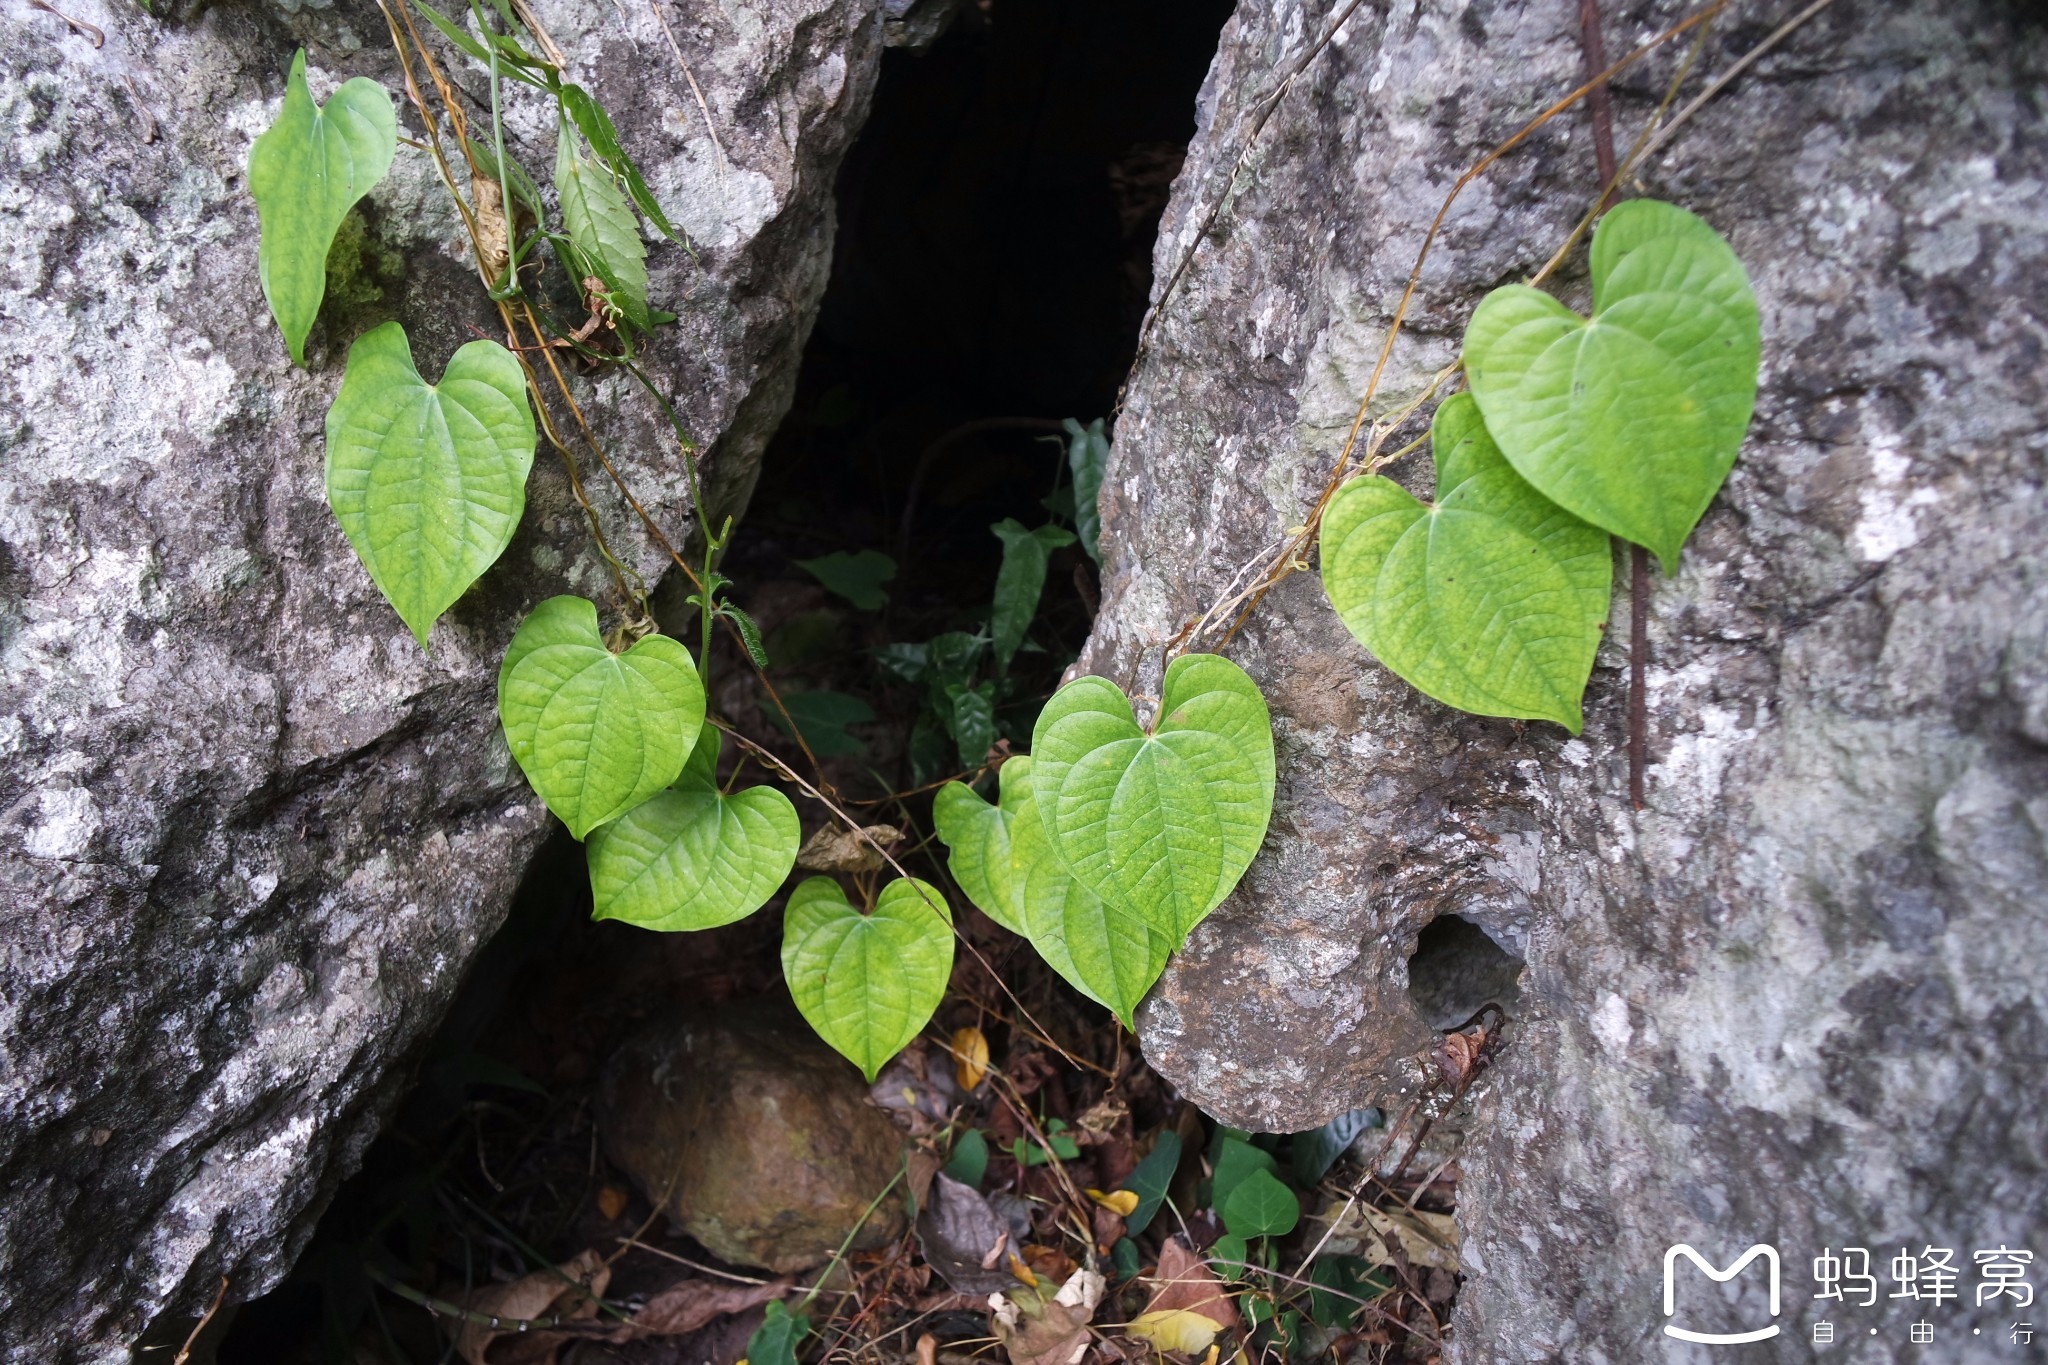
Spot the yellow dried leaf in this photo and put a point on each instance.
(1177, 1329)
(970, 1057)
(1118, 1202)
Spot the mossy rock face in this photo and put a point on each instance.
(756, 1137)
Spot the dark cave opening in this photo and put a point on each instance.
(992, 263)
(1457, 968)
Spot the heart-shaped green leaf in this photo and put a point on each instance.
(306, 172)
(1630, 420)
(428, 480)
(693, 857)
(1492, 600)
(1161, 823)
(602, 229)
(980, 845)
(1002, 861)
(867, 983)
(1261, 1206)
(596, 733)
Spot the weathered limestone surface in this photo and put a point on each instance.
(250, 834)
(1800, 998)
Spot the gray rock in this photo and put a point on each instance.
(1799, 999)
(249, 834)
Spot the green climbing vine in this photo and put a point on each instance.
(1127, 824)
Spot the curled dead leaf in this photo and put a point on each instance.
(833, 849)
(1054, 1331)
(1184, 1284)
(1118, 1202)
(970, 1057)
(1177, 1329)
(1426, 1239)
(568, 1291)
(493, 235)
(689, 1305)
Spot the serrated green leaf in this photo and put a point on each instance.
(306, 172)
(971, 717)
(1492, 601)
(596, 127)
(428, 480)
(596, 733)
(1087, 457)
(750, 634)
(1260, 1206)
(857, 576)
(692, 857)
(1150, 1179)
(1161, 824)
(1020, 582)
(602, 229)
(1002, 861)
(1630, 420)
(512, 60)
(867, 983)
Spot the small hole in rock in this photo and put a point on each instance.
(1456, 968)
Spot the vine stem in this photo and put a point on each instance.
(1600, 108)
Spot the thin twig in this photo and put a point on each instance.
(1272, 105)
(219, 1297)
(698, 1266)
(703, 106)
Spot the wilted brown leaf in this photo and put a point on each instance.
(833, 849)
(970, 1057)
(1183, 1280)
(1426, 1239)
(689, 1305)
(1039, 1331)
(963, 1239)
(570, 1291)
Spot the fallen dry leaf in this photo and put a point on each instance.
(1102, 1117)
(1426, 1239)
(689, 1305)
(964, 1239)
(1118, 1202)
(1037, 1331)
(493, 237)
(970, 1057)
(569, 1290)
(833, 849)
(611, 1200)
(1183, 1280)
(1176, 1329)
